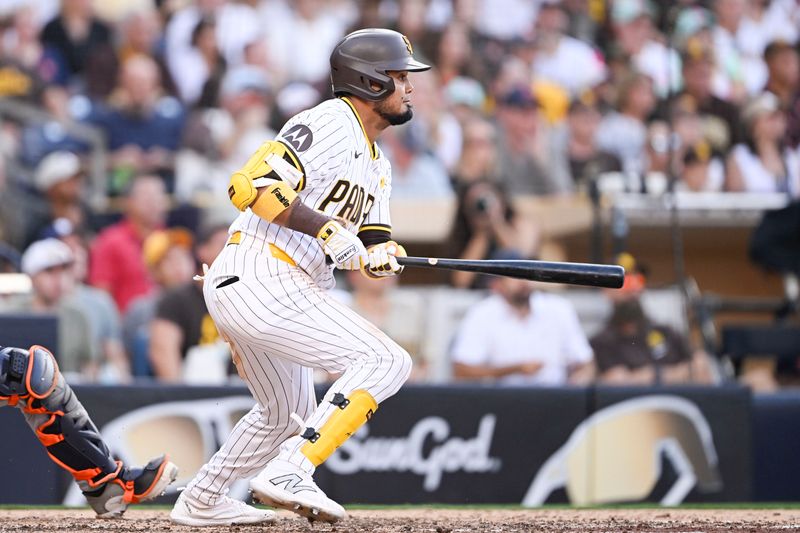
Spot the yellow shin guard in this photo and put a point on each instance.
(351, 414)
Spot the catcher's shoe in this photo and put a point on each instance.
(132, 485)
(284, 485)
(226, 512)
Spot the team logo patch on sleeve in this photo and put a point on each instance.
(299, 137)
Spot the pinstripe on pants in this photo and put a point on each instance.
(281, 325)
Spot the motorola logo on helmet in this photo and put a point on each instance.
(364, 57)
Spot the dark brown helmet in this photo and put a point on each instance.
(365, 56)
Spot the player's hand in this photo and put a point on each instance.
(344, 248)
(382, 260)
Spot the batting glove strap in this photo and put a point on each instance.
(383, 260)
(345, 249)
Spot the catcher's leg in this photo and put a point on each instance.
(30, 380)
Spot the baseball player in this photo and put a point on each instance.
(314, 199)
(30, 380)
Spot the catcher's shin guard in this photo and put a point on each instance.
(351, 414)
(56, 416)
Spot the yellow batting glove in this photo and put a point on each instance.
(382, 262)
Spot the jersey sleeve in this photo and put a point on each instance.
(317, 140)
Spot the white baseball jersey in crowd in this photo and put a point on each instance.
(266, 294)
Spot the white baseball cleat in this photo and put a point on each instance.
(284, 485)
(227, 511)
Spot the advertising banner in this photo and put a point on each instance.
(457, 444)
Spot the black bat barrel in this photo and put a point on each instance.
(589, 274)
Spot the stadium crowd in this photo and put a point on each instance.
(121, 122)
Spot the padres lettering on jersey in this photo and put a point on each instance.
(345, 177)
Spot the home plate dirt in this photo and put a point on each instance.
(433, 521)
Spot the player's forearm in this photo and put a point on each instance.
(300, 217)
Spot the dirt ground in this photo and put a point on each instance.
(433, 521)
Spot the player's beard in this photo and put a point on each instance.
(393, 118)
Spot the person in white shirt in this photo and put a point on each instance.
(521, 336)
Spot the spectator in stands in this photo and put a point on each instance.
(638, 40)
(568, 62)
(217, 140)
(59, 179)
(117, 264)
(416, 173)
(586, 159)
(168, 256)
(465, 98)
(181, 327)
(720, 119)
(623, 133)
(632, 350)
(398, 314)
(440, 127)
(78, 36)
(98, 306)
(455, 56)
(204, 66)
(764, 163)
(143, 126)
(141, 34)
(783, 64)
(527, 166)
(14, 210)
(485, 221)
(521, 336)
(49, 264)
(236, 25)
(21, 41)
(54, 134)
(300, 44)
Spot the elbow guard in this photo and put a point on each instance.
(272, 162)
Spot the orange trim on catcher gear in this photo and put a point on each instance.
(14, 399)
(30, 370)
(81, 475)
(136, 498)
(49, 439)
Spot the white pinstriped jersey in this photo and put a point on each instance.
(344, 177)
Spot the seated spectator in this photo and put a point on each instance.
(218, 139)
(586, 159)
(399, 315)
(42, 138)
(720, 119)
(632, 350)
(527, 166)
(182, 330)
(168, 256)
(204, 67)
(783, 64)
(568, 62)
(637, 38)
(49, 265)
(78, 36)
(763, 163)
(14, 210)
(117, 265)
(143, 126)
(521, 336)
(623, 132)
(59, 178)
(104, 320)
(416, 173)
(485, 221)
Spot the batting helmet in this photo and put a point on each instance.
(365, 56)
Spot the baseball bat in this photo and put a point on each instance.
(589, 274)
